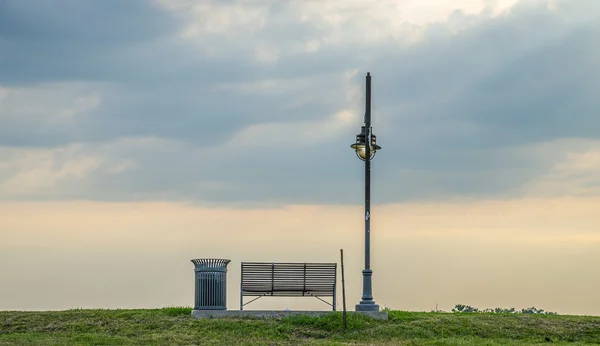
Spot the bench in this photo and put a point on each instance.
(263, 279)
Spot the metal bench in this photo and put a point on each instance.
(262, 279)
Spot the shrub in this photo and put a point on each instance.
(458, 308)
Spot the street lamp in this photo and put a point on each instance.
(364, 151)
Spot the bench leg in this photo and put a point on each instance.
(334, 295)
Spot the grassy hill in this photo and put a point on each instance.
(175, 326)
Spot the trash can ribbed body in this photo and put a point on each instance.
(211, 283)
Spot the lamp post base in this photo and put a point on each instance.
(367, 307)
(367, 303)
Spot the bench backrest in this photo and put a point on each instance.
(288, 279)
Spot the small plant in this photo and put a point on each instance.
(466, 308)
(436, 309)
(533, 310)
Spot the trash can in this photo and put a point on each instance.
(211, 283)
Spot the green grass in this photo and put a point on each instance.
(175, 326)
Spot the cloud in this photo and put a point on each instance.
(577, 174)
(45, 115)
(46, 173)
(79, 40)
(257, 102)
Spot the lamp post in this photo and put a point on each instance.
(366, 153)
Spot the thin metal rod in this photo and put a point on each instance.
(252, 300)
(242, 287)
(321, 299)
(343, 288)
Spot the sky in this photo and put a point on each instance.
(137, 135)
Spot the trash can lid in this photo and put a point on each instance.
(210, 262)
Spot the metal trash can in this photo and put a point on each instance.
(211, 283)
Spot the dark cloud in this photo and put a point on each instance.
(82, 22)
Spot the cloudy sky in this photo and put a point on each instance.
(136, 135)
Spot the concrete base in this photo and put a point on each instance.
(366, 307)
(378, 315)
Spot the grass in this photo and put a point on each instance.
(175, 326)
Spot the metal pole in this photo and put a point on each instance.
(242, 286)
(368, 175)
(367, 303)
(343, 288)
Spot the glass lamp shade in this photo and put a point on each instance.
(361, 150)
(360, 147)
